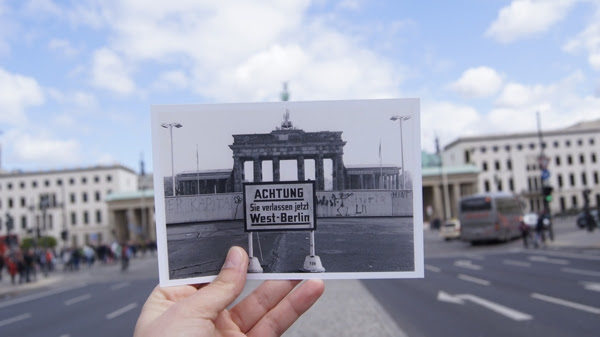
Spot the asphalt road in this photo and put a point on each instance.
(482, 290)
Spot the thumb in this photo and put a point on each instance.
(210, 300)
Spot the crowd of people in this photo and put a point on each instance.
(24, 265)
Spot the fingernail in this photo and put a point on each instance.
(234, 259)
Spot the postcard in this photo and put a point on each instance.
(323, 189)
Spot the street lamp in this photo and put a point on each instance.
(400, 119)
(170, 127)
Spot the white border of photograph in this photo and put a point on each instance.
(383, 107)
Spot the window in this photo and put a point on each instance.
(486, 185)
(581, 159)
(509, 164)
(511, 184)
(495, 148)
(109, 177)
(72, 198)
(497, 165)
(519, 147)
(557, 161)
(96, 179)
(84, 197)
(543, 145)
(23, 222)
(485, 168)
(97, 196)
(563, 204)
(22, 185)
(23, 202)
(572, 179)
(86, 218)
(574, 201)
(467, 156)
(34, 184)
(596, 179)
(583, 178)
(9, 186)
(591, 141)
(555, 143)
(569, 160)
(567, 143)
(47, 183)
(83, 180)
(507, 148)
(532, 146)
(560, 180)
(50, 221)
(71, 181)
(10, 203)
(98, 217)
(593, 156)
(579, 142)
(59, 182)
(73, 218)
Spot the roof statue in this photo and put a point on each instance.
(287, 123)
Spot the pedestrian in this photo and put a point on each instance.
(11, 265)
(525, 233)
(125, 255)
(540, 239)
(1, 264)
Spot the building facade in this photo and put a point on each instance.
(514, 163)
(71, 201)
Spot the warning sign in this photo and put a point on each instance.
(280, 206)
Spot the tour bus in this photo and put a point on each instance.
(490, 216)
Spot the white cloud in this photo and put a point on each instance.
(526, 18)
(515, 94)
(110, 73)
(478, 82)
(17, 92)
(589, 41)
(44, 151)
(169, 80)
(447, 121)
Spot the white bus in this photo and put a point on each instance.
(490, 216)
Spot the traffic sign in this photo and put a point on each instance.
(545, 174)
(543, 162)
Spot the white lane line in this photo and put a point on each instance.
(537, 258)
(474, 280)
(498, 308)
(37, 296)
(467, 265)
(591, 286)
(569, 255)
(566, 303)
(580, 271)
(15, 319)
(121, 311)
(517, 263)
(432, 268)
(120, 285)
(78, 299)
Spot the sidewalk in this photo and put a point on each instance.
(579, 239)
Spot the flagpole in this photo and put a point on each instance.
(198, 168)
(380, 167)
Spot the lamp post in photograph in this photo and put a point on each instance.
(401, 119)
(170, 127)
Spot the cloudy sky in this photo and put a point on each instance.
(77, 78)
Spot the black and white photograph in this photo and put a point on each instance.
(323, 189)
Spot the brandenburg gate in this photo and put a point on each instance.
(289, 143)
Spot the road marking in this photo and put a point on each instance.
(537, 258)
(566, 303)
(78, 299)
(121, 311)
(569, 255)
(15, 319)
(467, 265)
(474, 279)
(432, 268)
(39, 295)
(517, 263)
(591, 286)
(581, 271)
(120, 285)
(498, 308)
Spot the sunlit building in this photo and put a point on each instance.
(62, 203)
(511, 162)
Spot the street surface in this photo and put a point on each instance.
(374, 244)
(483, 290)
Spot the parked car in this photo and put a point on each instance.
(450, 229)
(582, 221)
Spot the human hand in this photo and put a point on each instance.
(201, 310)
